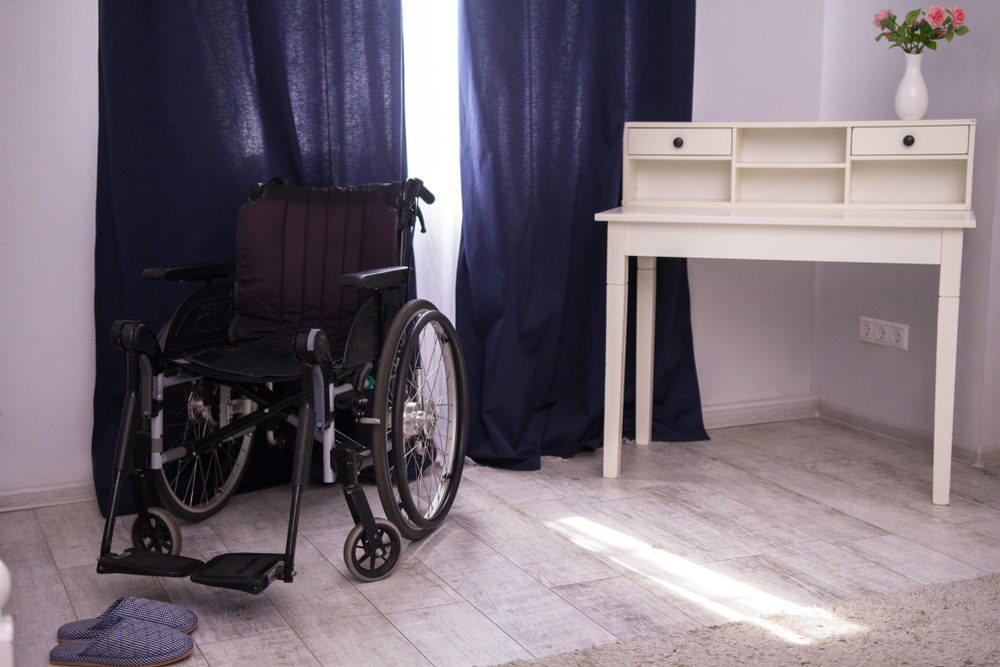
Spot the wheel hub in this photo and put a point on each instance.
(200, 412)
(419, 419)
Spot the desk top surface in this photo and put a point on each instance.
(805, 216)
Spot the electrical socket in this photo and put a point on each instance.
(881, 332)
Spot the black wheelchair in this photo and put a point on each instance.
(311, 322)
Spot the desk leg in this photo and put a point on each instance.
(947, 355)
(645, 331)
(614, 359)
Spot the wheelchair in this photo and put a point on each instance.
(309, 325)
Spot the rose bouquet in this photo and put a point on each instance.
(916, 32)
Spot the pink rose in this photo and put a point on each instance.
(884, 14)
(957, 16)
(936, 16)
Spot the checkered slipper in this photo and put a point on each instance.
(127, 643)
(153, 611)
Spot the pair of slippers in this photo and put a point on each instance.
(132, 632)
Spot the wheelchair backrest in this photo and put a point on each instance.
(292, 246)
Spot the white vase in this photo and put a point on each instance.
(911, 96)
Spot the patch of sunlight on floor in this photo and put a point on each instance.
(718, 593)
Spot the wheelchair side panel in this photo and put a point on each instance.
(201, 321)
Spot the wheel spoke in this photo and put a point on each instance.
(196, 485)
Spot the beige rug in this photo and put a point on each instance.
(941, 624)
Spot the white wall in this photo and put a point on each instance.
(753, 321)
(817, 60)
(885, 385)
(48, 143)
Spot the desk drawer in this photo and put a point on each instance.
(913, 140)
(680, 141)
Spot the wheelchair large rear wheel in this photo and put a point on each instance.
(199, 483)
(420, 397)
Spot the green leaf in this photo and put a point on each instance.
(962, 30)
(912, 16)
(932, 45)
(950, 35)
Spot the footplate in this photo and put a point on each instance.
(149, 563)
(247, 572)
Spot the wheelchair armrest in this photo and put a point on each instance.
(312, 346)
(376, 278)
(132, 335)
(205, 271)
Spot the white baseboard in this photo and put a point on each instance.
(46, 496)
(745, 413)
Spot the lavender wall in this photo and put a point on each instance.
(48, 140)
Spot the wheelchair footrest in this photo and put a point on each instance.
(247, 572)
(150, 563)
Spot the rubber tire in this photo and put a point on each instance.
(354, 542)
(163, 531)
(385, 376)
(444, 337)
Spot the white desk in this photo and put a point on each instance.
(746, 217)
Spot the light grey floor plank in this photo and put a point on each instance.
(674, 528)
(759, 518)
(534, 616)
(332, 617)
(38, 602)
(223, 614)
(90, 595)
(514, 486)
(19, 527)
(914, 561)
(413, 585)
(281, 649)
(846, 573)
(537, 550)
(74, 532)
(888, 481)
(626, 609)
(457, 634)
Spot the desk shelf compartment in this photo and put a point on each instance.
(791, 145)
(771, 183)
(679, 179)
(910, 183)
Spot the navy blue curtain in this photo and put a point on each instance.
(545, 88)
(198, 101)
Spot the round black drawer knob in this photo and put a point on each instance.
(678, 142)
(908, 140)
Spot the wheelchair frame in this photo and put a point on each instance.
(389, 335)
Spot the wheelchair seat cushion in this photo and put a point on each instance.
(292, 246)
(243, 363)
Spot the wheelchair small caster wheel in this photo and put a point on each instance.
(158, 532)
(371, 562)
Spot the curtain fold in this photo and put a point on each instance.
(200, 100)
(545, 88)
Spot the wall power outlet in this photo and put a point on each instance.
(881, 332)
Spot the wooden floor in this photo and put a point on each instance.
(775, 517)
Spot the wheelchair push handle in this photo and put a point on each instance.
(403, 196)
(414, 188)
